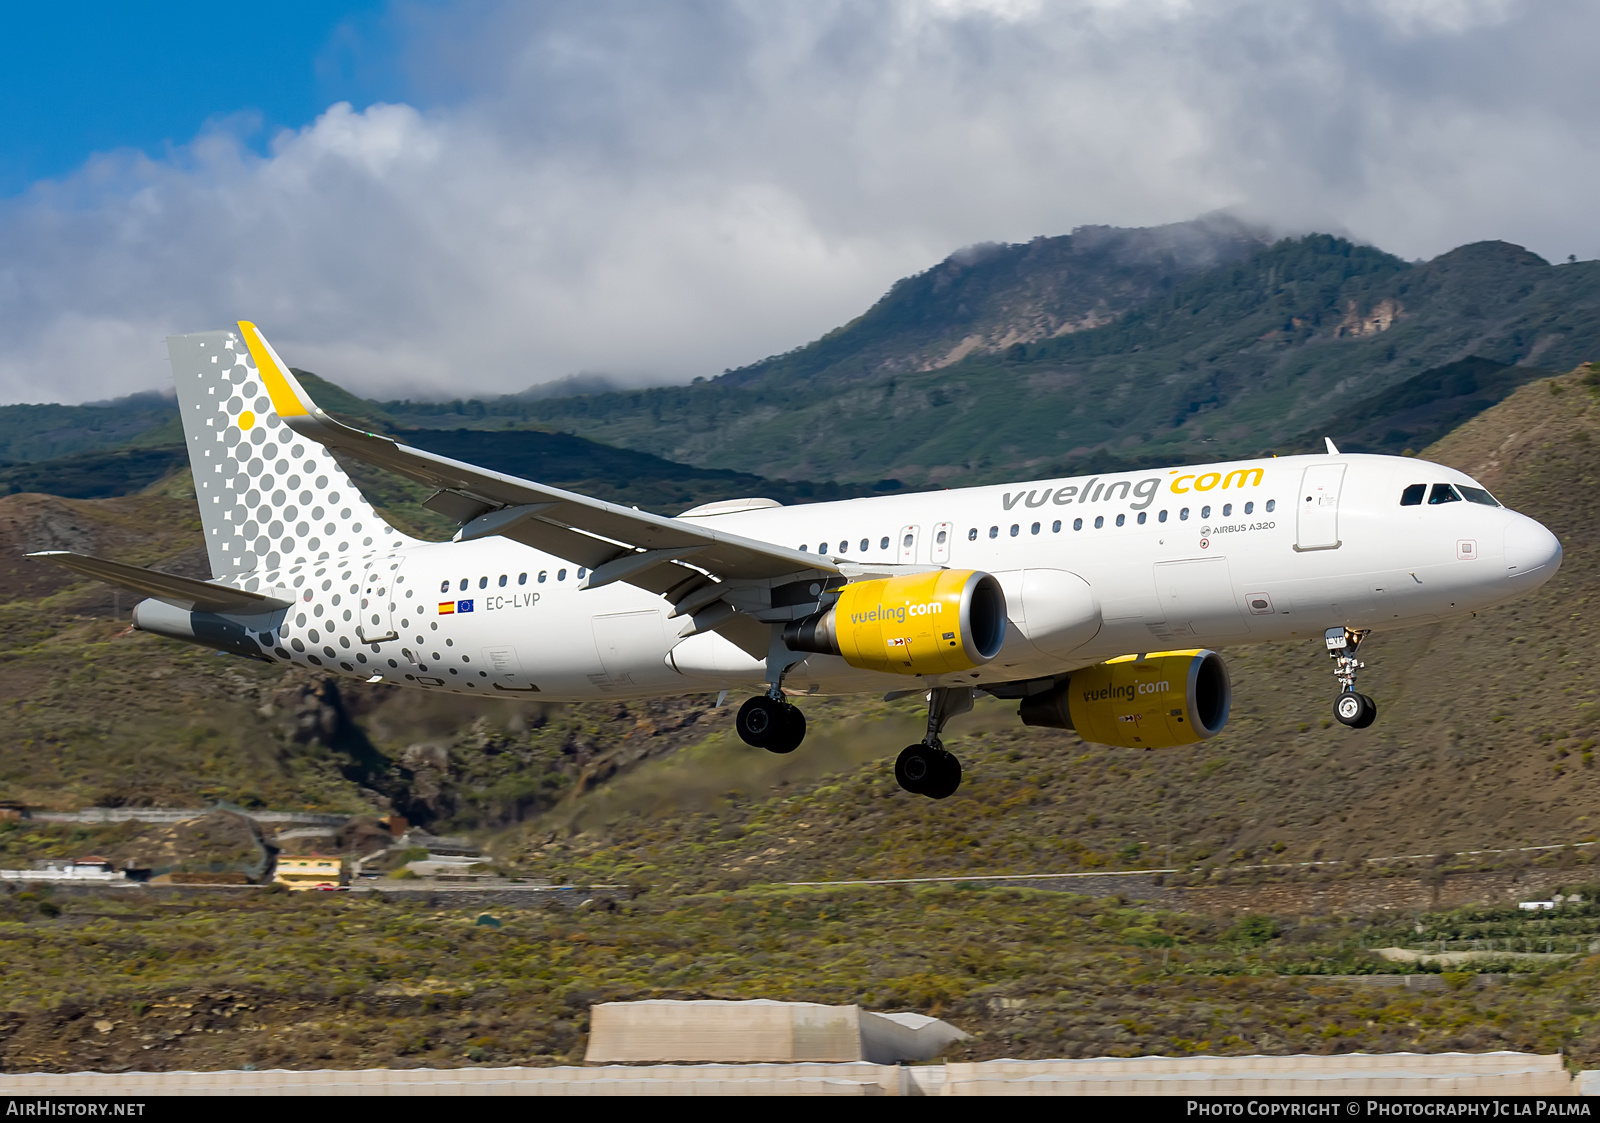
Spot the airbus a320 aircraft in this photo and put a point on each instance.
(1092, 601)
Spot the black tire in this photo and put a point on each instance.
(916, 767)
(790, 732)
(1349, 708)
(760, 720)
(946, 779)
(1369, 713)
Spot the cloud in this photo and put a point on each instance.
(658, 192)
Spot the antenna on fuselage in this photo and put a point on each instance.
(1333, 449)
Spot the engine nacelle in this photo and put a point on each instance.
(921, 624)
(1149, 702)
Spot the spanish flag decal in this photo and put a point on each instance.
(447, 608)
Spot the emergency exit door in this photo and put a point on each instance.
(908, 544)
(1317, 520)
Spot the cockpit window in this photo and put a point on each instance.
(1478, 495)
(1412, 496)
(1443, 493)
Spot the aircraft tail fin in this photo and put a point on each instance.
(269, 499)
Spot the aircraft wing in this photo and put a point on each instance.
(668, 556)
(183, 592)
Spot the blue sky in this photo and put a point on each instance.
(434, 197)
(82, 78)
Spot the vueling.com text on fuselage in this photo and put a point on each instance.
(1145, 490)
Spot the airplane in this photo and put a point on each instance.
(1093, 602)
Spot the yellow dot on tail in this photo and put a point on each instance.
(247, 421)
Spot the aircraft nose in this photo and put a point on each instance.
(1533, 554)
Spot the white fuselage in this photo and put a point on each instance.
(1243, 552)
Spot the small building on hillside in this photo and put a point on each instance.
(311, 871)
(90, 868)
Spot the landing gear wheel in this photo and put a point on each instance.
(1371, 714)
(925, 770)
(946, 779)
(771, 724)
(787, 737)
(915, 767)
(1355, 710)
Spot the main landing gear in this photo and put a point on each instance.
(769, 722)
(1355, 710)
(929, 768)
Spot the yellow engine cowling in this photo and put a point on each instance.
(921, 624)
(1140, 701)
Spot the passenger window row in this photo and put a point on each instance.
(1055, 528)
(844, 545)
(1121, 520)
(522, 579)
(1446, 493)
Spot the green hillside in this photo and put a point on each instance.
(1236, 360)
(1101, 348)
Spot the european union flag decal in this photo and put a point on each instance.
(463, 606)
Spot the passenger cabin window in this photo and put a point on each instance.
(503, 580)
(1055, 527)
(1478, 495)
(1099, 521)
(1443, 493)
(464, 584)
(1249, 507)
(1412, 496)
(1014, 529)
(1035, 529)
(1077, 524)
(865, 543)
(543, 573)
(1205, 512)
(972, 535)
(994, 532)
(561, 575)
(483, 582)
(1227, 510)
(1141, 518)
(1272, 505)
(1122, 520)
(883, 544)
(444, 586)
(522, 578)
(822, 547)
(1162, 517)
(944, 535)
(1183, 514)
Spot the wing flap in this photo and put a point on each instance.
(181, 592)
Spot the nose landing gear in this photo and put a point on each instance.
(929, 768)
(1355, 710)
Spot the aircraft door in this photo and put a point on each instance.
(908, 544)
(1317, 517)
(941, 542)
(379, 593)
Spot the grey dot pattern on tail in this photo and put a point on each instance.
(280, 516)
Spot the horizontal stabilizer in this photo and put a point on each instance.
(182, 592)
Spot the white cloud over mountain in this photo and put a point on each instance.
(662, 191)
